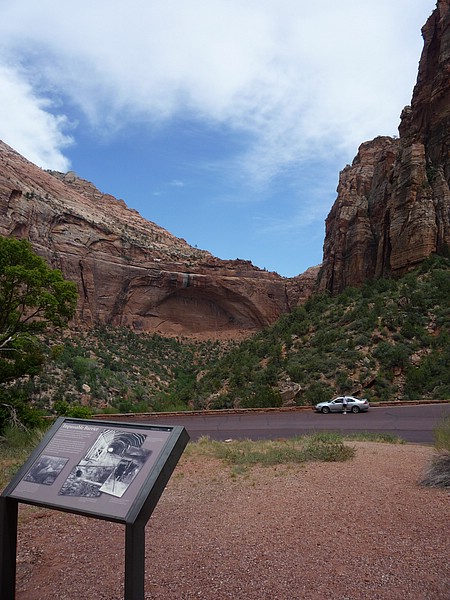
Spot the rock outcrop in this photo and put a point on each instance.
(131, 272)
(393, 204)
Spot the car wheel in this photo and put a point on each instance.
(325, 410)
(355, 409)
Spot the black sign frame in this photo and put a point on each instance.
(115, 471)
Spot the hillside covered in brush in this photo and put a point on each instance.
(387, 340)
(111, 370)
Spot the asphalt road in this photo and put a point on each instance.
(410, 423)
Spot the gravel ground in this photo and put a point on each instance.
(358, 530)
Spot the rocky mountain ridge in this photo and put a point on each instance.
(131, 272)
(393, 204)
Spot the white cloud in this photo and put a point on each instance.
(27, 124)
(297, 77)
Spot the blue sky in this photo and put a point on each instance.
(224, 121)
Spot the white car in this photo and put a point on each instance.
(354, 405)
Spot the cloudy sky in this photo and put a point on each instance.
(224, 121)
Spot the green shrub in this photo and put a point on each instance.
(262, 398)
(317, 392)
(431, 377)
(15, 411)
(391, 356)
(295, 370)
(64, 409)
(343, 382)
(320, 450)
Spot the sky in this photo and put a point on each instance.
(226, 122)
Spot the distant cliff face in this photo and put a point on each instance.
(393, 204)
(131, 272)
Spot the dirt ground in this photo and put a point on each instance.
(358, 530)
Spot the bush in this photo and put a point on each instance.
(343, 382)
(64, 409)
(431, 377)
(317, 392)
(262, 398)
(16, 412)
(326, 451)
(438, 473)
(391, 356)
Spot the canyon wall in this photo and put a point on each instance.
(393, 205)
(131, 272)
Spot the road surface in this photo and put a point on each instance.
(410, 423)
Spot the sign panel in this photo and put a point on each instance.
(93, 468)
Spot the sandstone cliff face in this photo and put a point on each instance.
(393, 204)
(129, 271)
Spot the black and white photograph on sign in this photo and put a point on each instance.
(46, 470)
(109, 466)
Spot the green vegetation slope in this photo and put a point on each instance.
(389, 339)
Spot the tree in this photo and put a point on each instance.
(32, 297)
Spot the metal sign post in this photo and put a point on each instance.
(134, 562)
(8, 545)
(122, 468)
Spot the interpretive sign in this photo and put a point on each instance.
(93, 468)
(106, 470)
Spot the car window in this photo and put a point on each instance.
(337, 401)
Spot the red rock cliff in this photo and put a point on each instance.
(130, 271)
(393, 204)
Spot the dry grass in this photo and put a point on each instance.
(438, 473)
